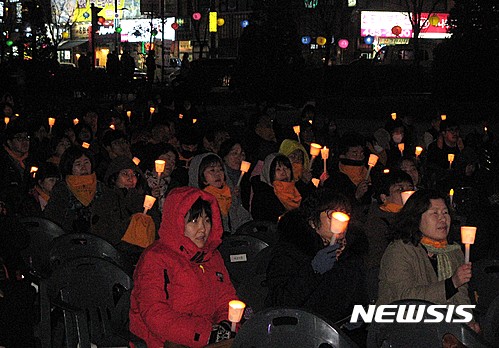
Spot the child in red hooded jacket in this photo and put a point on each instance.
(181, 286)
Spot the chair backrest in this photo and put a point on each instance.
(41, 232)
(484, 285)
(490, 323)
(97, 288)
(263, 230)
(286, 327)
(75, 245)
(420, 334)
(239, 252)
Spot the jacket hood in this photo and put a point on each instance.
(118, 164)
(288, 146)
(171, 232)
(194, 168)
(265, 176)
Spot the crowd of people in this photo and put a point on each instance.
(91, 175)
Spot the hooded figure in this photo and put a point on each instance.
(233, 213)
(181, 289)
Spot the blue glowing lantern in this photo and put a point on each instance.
(306, 40)
(368, 40)
(86, 15)
(244, 23)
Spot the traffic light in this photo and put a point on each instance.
(96, 19)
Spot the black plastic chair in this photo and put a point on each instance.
(75, 245)
(484, 285)
(490, 323)
(286, 327)
(263, 230)
(420, 335)
(93, 296)
(41, 232)
(239, 252)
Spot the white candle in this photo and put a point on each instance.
(450, 158)
(6, 120)
(236, 310)
(151, 110)
(386, 171)
(394, 116)
(339, 224)
(419, 149)
(467, 238)
(451, 196)
(159, 166)
(296, 129)
(443, 117)
(51, 123)
(315, 150)
(325, 156)
(129, 114)
(136, 160)
(316, 182)
(112, 127)
(371, 162)
(148, 203)
(405, 195)
(33, 171)
(76, 121)
(401, 147)
(194, 120)
(245, 166)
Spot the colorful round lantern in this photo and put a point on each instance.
(244, 23)
(174, 26)
(321, 41)
(397, 30)
(9, 43)
(154, 32)
(101, 20)
(368, 40)
(196, 16)
(86, 15)
(220, 22)
(119, 30)
(434, 20)
(343, 43)
(306, 40)
(65, 35)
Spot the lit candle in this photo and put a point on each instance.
(148, 203)
(136, 160)
(394, 116)
(485, 130)
(76, 121)
(467, 238)
(405, 195)
(51, 123)
(245, 166)
(443, 117)
(6, 120)
(315, 150)
(236, 310)
(129, 114)
(339, 224)
(85, 145)
(297, 132)
(316, 182)
(310, 121)
(419, 149)
(112, 127)
(371, 162)
(194, 120)
(450, 158)
(401, 147)
(33, 171)
(152, 109)
(180, 116)
(386, 171)
(325, 156)
(17, 115)
(159, 166)
(451, 197)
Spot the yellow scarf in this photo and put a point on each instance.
(297, 171)
(287, 194)
(442, 250)
(223, 196)
(141, 231)
(83, 187)
(18, 158)
(390, 207)
(355, 173)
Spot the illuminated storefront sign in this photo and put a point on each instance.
(380, 24)
(139, 30)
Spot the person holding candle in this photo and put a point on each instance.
(38, 197)
(59, 145)
(115, 144)
(274, 191)
(420, 263)
(207, 173)
(232, 153)
(70, 204)
(181, 286)
(397, 131)
(307, 271)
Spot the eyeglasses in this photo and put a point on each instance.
(128, 174)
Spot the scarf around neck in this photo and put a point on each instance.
(355, 173)
(442, 250)
(83, 187)
(19, 159)
(390, 207)
(223, 196)
(288, 194)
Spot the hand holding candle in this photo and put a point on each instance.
(148, 203)
(159, 166)
(315, 150)
(325, 156)
(297, 132)
(245, 166)
(450, 158)
(371, 162)
(339, 224)
(236, 310)
(467, 238)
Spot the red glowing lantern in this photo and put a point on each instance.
(196, 16)
(101, 20)
(397, 30)
(343, 43)
(174, 26)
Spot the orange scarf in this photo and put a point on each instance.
(434, 243)
(355, 173)
(18, 158)
(223, 196)
(390, 207)
(287, 194)
(83, 187)
(141, 230)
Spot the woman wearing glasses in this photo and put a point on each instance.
(306, 270)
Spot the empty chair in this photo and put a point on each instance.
(41, 232)
(264, 230)
(93, 295)
(420, 334)
(285, 327)
(239, 252)
(75, 245)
